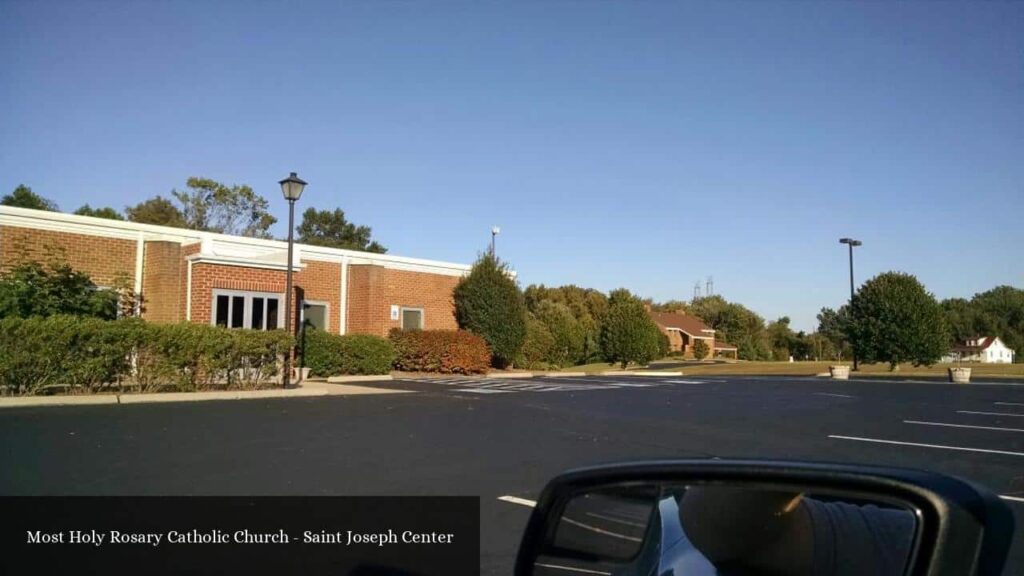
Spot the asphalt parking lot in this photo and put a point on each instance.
(502, 440)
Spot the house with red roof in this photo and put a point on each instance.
(684, 330)
(984, 349)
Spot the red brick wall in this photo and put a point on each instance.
(675, 340)
(318, 281)
(107, 261)
(372, 290)
(162, 282)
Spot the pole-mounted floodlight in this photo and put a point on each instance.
(851, 243)
(494, 233)
(292, 188)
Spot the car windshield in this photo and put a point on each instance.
(434, 254)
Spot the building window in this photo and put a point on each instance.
(315, 315)
(255, 310)
(412, 318)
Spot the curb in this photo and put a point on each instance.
(113, 399)
(655, 373)
(510, 374)
(19, 401)
(225, 395)
(363, 378)
(560, 374)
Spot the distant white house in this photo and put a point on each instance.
(984, 349)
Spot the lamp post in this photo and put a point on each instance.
(494, 233)
(851, 243)
(291, 187)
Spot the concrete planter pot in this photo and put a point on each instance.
(299, 374)
(960, 375)
(839, 372)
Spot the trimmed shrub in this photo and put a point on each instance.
(489, 303)
(84, 354)
(32, 289)
(443, 351)
(701, 349)
(327, 354)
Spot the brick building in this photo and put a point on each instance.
(684, 330)
(187, 275)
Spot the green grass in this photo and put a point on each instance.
(811, 368)
(597, 367)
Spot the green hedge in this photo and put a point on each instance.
(443, 351)
(328, 354)
(78, 354)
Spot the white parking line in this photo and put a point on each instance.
(1009, 403)
(518, 500)
(1012, 498)
(571, 569)
(963, 426)
(687, 381)
(613, 519)
(836, 395)
(940, 446)
(989, 413)
(597, 530)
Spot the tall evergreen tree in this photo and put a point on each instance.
(489, 303)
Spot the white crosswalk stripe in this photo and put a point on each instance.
(498, 385)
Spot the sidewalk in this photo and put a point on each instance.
(308, 389)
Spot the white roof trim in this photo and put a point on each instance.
(73, 223)
(245, 262)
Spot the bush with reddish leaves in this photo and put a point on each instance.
(442, 351)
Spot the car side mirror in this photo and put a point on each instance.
(759, 517)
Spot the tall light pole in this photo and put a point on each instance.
(291, 187)
(851, 243)
(494, 233)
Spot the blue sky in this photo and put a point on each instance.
(639, 144)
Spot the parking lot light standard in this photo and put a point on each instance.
(494, 233)
(291, 187)
(851, 243)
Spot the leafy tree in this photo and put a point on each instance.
(701, 349)
(996, 312)
(24, 197)
(587, 306)
(537, 347)
(894, 319)
(818, 347)
(627, 332)
(832, 326)
(159, 211)
(209, 205)
(332, 229)
(736, 324)
(782, 339)
(105, 212)
(31, 289)
(569, 336)
(669, 306)
(489, 303)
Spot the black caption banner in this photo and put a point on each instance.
(390, 536)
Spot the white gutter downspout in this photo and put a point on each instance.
(188, 294)
(343, 305)
(140, 247)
